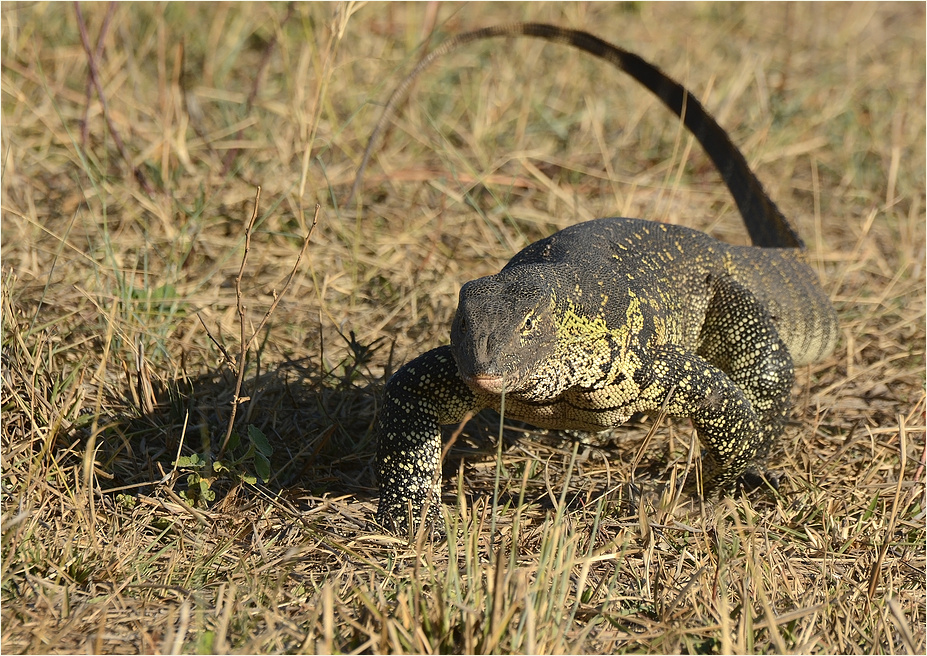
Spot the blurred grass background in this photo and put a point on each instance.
(134, 136)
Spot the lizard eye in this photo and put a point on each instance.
(528, 325)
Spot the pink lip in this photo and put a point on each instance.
(487, 384)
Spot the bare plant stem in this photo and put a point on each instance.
(225, 354)
(236, 399)
(286, 285)
(246, 343)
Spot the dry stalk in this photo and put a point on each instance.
(286, 285)
(225, 354)
(237, 399)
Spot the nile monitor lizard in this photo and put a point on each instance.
(613, 317)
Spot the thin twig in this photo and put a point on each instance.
(286, 285)
(95, 79)
(228, 358)
(241, 323)
(246, 343)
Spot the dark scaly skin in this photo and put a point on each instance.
(614, 317)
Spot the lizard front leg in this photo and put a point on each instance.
(739, 337)
(686, 385)
(423, 395)
(736, 388)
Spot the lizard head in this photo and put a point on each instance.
(502, 331)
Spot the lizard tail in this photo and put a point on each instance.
(766, 224)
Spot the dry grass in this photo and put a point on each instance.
(120, 536)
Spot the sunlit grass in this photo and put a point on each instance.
(119, 271)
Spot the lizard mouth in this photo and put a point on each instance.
(487, 384)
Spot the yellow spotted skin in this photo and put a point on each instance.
(617, 316)
(626, 316)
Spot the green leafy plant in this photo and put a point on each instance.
(242, 463)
